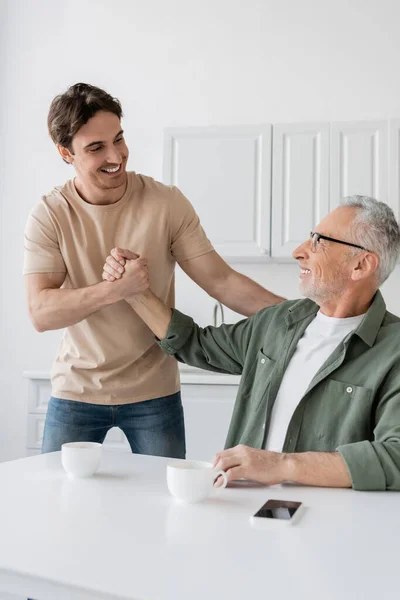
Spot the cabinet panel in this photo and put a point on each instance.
(35, 430)
(394, 166)
(208, 410)
(300, 183)
(39, 395)
(226, 174)
(359, 155)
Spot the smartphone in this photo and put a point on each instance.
(285, 512)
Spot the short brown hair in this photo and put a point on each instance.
(69, 111)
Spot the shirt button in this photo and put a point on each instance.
(262, 361)
(349, 390)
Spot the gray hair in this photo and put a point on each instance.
(375, 228)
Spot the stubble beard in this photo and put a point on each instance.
(103, 184)
(327, 291)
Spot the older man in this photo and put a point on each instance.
(319, 398)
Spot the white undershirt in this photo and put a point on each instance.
(320, 339)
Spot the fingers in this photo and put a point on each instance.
(139, 265)
(124, 263)
(232, 474)
(107, 277)
(219, 481)
(235, 463)
(136, 276)
(117, 256)
(113, 268)
(228, 462)
(121, 253)
(227, 456)
(115, 264)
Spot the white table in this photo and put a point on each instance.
(121, 536)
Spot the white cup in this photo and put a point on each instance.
(81, 459)
(192, 481)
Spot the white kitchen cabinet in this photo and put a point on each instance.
(226, 174)
(394, 165)
(208, 410)
(300, 183)
(208, 400)
(359, 160)
(35, 431)
(39, 393)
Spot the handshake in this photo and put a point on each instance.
(128, 271)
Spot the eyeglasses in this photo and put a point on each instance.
(315, 237)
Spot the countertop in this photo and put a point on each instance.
(120, 536)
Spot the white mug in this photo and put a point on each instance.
(192, 480)
(81, 459)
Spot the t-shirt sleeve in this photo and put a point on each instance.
(41, 248)
(188, 238)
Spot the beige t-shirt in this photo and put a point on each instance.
(111, 357)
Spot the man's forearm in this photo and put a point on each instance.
(59, 308)
(325, 469)
(152, 311)
(243, 295)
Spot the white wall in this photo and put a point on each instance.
(181, 62)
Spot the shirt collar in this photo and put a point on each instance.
(368, 328)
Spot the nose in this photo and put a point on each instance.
(113, 156)
(302, 251)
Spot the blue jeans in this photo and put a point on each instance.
(152, 427)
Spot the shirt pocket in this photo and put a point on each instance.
(264, 362)
(263, 373)
(344, 413)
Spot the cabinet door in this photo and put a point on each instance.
(35, 431)
(394, 166)
(300, 183)
(208, 410)
(359, 160)
(39, 395)
(226, 174)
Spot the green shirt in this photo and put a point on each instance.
(352, 404)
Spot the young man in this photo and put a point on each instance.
(109, 371)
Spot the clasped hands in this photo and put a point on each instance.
(128, 270)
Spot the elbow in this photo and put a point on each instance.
(36, 321)
(39, 327)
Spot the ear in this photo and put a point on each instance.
(366, 265)
(65, 154)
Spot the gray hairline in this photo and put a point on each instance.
(367, 230)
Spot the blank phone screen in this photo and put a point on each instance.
(278, 509)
